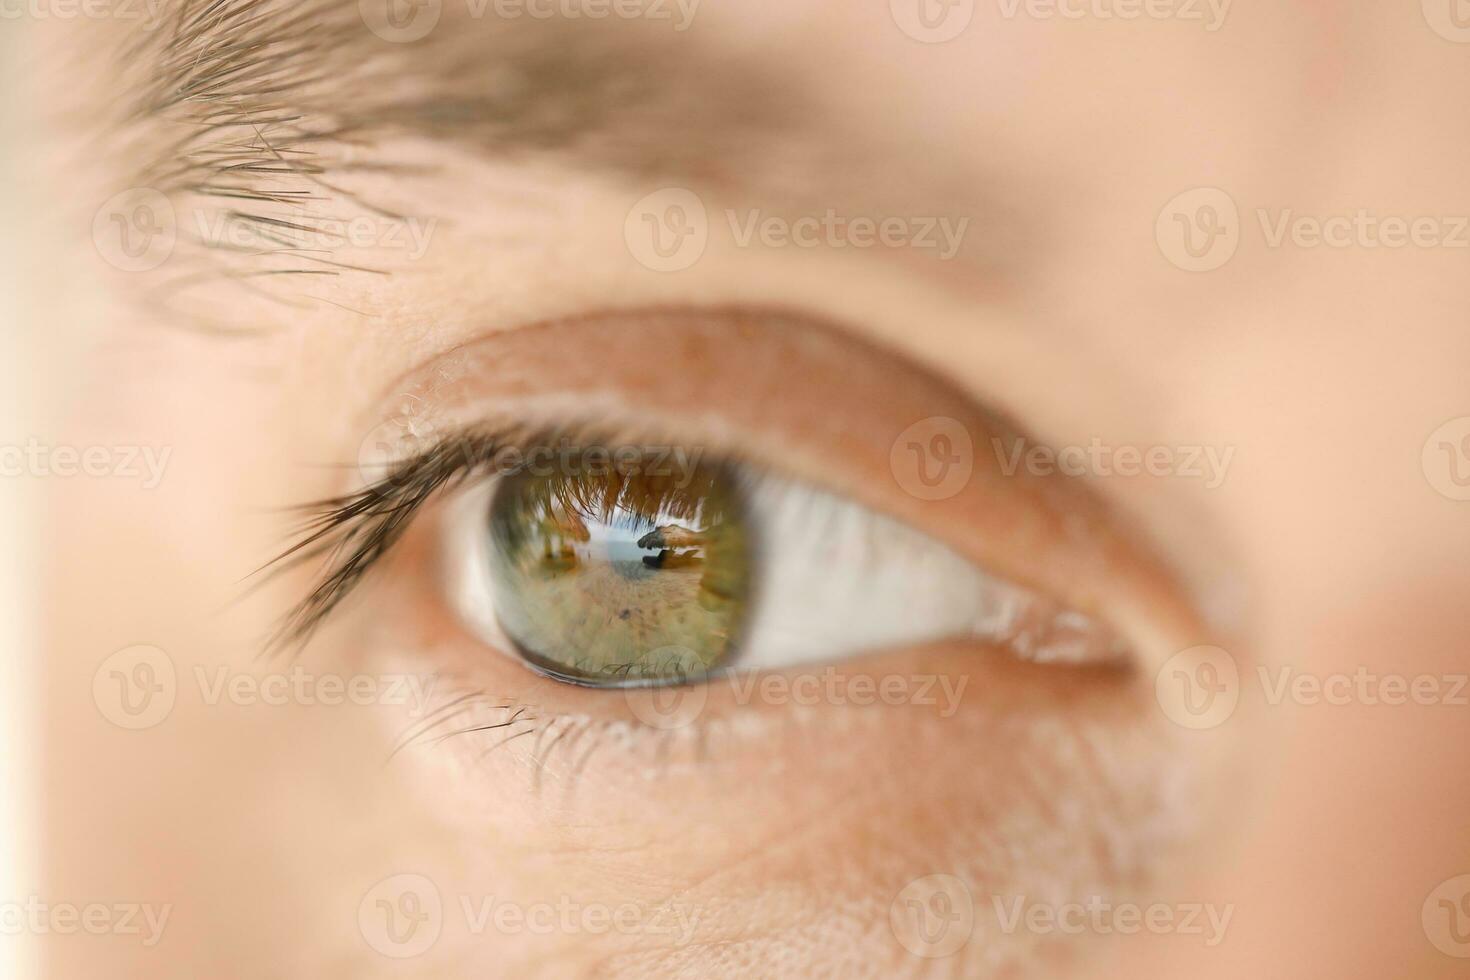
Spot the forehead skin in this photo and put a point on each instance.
(1063, 140)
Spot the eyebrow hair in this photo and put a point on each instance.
(255, 114)
(258, 90)
(255, 111)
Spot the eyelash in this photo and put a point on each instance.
(358, 529)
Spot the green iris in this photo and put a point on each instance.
(621, 574)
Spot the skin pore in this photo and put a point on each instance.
(442, 233)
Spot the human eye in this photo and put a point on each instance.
(673, 543)
(642, 565)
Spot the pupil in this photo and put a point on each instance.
(621, 572)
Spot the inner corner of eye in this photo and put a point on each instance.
(645, 567)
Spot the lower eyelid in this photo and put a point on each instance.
(521, 723)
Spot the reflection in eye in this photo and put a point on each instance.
(622, 575)
(628, 574)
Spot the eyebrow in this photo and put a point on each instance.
(265, 106)
(258, 91)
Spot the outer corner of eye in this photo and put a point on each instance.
(626, 575)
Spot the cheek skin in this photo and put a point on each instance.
(763, 823)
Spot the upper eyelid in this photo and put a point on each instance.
(594, 371)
